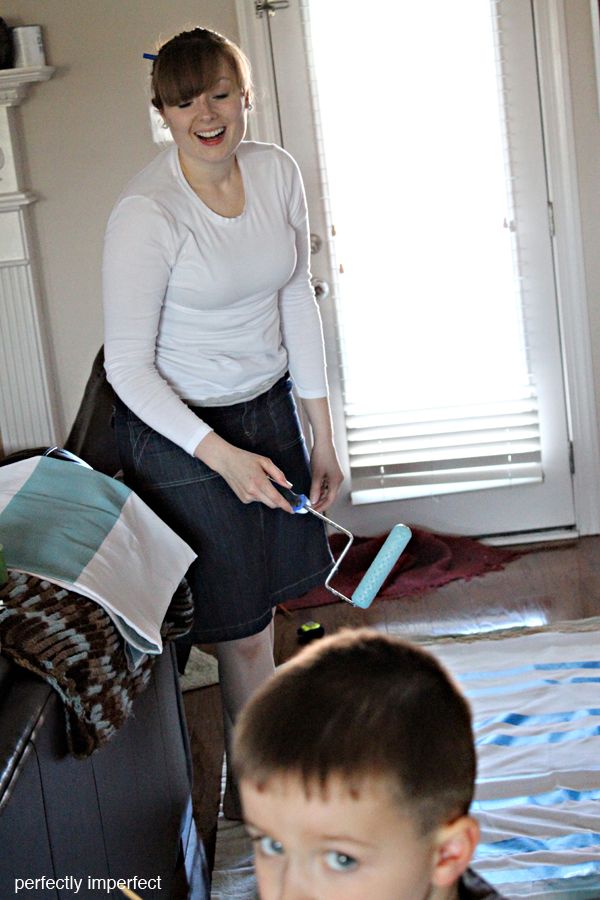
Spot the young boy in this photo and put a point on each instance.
(356, 767)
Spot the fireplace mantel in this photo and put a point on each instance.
(27, 404)
(15, 83)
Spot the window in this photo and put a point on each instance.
(438, 393)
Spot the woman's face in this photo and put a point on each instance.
(209, 128)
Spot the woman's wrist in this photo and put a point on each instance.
(211, 450)
(319, 416)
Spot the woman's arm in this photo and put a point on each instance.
(303, 338)
(249, 475)
(140, 246)
(327, 474)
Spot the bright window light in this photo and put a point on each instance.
(430, 307)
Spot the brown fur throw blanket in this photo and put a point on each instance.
(72, 644)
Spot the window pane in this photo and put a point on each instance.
(430, 308)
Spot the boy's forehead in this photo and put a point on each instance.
(363, 811)
(371, 795)
(337, 785)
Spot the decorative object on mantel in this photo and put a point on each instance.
(7, 53)
(28, 45)
(430, 561)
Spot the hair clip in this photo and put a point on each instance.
(149, 55)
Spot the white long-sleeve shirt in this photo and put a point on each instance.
(207, 309)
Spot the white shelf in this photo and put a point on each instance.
(15, 83)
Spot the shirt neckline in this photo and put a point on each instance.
(217, 217)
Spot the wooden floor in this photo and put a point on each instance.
(549, 583)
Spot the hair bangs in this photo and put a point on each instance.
(186, 73)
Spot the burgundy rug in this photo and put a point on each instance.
(429, 561)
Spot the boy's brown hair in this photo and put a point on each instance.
(188, 64)
(362, 704)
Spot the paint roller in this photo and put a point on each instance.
(380, 568)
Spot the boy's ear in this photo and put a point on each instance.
(454, 848)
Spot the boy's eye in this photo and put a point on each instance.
(184, 104)
(220, 96)
(269, 846)
(340, 862)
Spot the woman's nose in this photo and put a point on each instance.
(204, 107)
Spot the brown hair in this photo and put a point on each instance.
(363, 704)
(187, 65)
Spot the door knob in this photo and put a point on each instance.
(321, 288)
(316, 242)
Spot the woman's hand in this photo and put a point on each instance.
(327, 475)
(248, 475)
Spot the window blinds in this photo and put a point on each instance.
(420, 452)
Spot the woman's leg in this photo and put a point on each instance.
(243, 666)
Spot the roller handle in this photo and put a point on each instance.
(299, 502)
(381, 566)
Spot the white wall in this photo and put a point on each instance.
(86, 132)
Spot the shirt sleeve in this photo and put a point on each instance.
(140, 245)
(301, 326)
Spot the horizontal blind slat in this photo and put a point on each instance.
(433, 429)
(412, 453)
(378, 494)
(427, 443)
(530, 469)
(360, 417)
(426, 465)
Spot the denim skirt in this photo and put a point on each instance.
(250, 557)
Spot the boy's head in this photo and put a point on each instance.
(356, 767)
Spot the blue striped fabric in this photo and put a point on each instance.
(549, 737)
(554, 718)
(84, 507)
(534, 667)
(541, 734)
(548, 798)
(516, 688)
(547, 874)
(529, 844)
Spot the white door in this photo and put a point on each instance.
(283, 74)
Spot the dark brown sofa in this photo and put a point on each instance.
(123, 812)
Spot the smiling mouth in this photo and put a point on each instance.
(210, 137)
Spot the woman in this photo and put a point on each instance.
(208, 304)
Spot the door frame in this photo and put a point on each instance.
(563, 190)
(571, 289)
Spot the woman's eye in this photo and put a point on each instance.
(270, 847)
(340, 862)
(220, 96)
